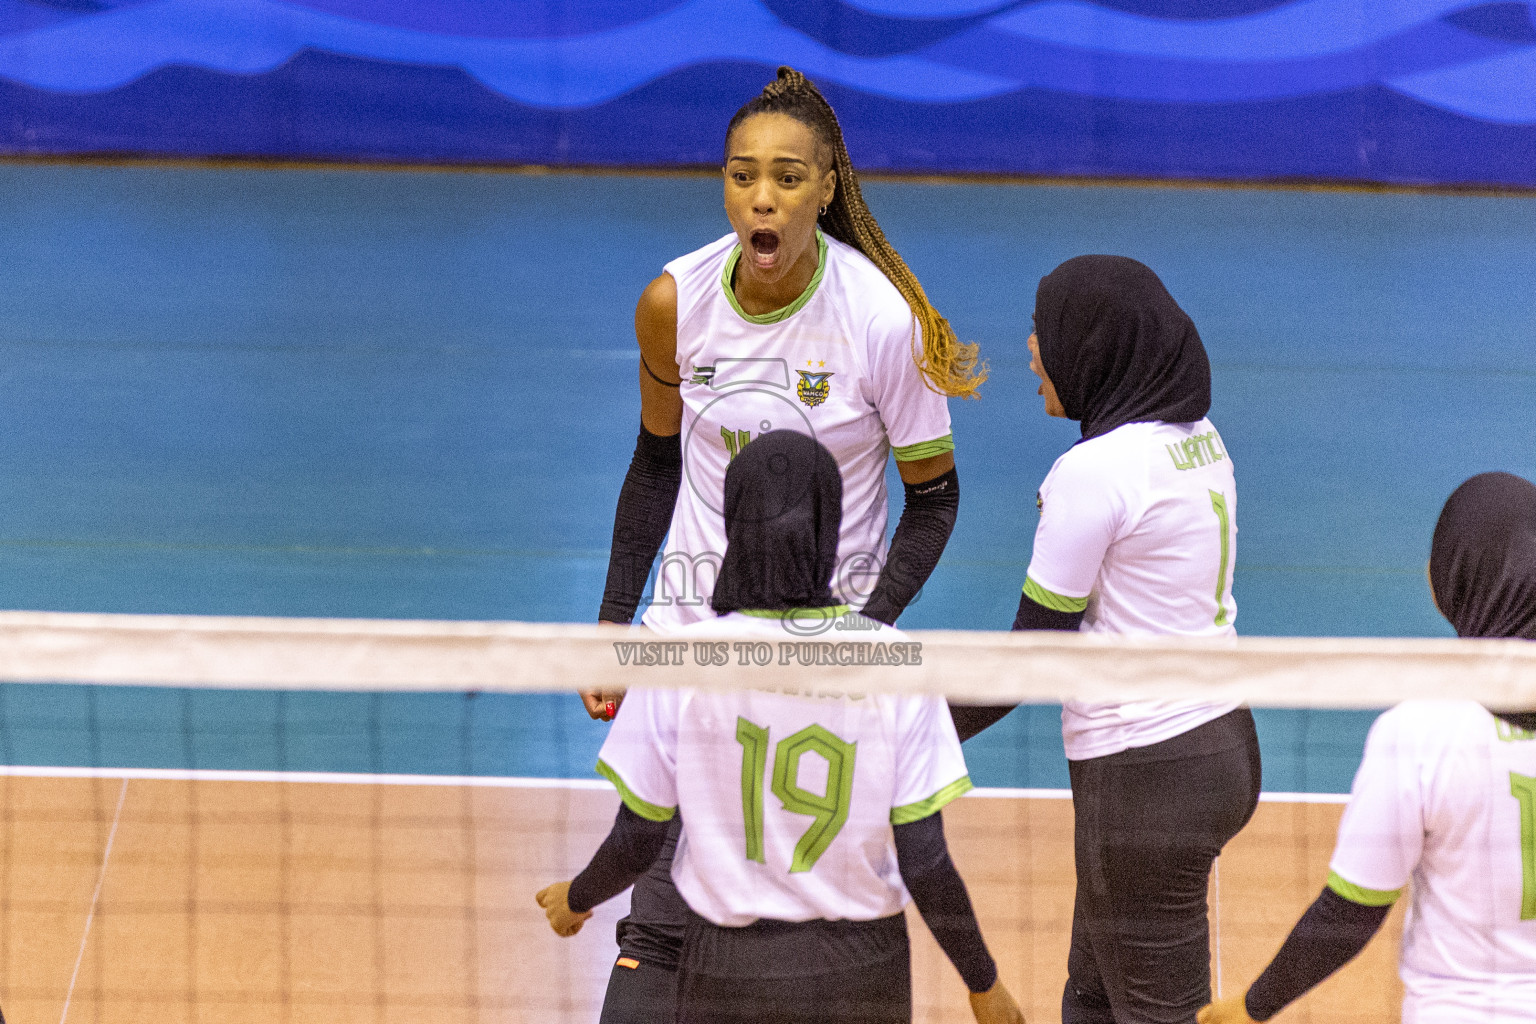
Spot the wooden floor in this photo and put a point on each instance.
(310, 902)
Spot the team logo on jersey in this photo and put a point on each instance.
(813, 388)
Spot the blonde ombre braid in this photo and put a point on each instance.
(950, 366)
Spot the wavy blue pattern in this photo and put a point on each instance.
(1470, 59)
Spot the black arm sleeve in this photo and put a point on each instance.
(927, 520)
(971, 719)
(922, 856)
(1328, 936)
(632, 844)
(1034, 615)
(641, 521)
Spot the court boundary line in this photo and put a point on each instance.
(491, 781)
(101, 876)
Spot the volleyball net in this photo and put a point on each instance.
(241, 818)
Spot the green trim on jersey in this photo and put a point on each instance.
(924, 449)
(907, 813)
(648, 811)
(1054, 601)
(785, 312)
(1361, 895)
(835, 611)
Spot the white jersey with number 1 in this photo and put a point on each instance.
(788, 800)
(1445, 803)
(835, 364)
(1138, 530)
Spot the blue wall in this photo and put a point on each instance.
(1382, 90)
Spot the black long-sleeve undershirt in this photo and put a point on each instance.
(641, 521)
(922, 857)
(632, 845)
(1329, 935)
(927, 519)
(971, 719)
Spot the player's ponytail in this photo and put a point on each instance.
(951, 367)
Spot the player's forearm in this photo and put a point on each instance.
(1329, 935)
(929, 874)
(641, 521)
(927, 519)
(632, 845)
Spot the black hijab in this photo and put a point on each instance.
(1117, 347)
(1482, 563)
(783, 510)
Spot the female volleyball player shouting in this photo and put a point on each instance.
(1136, 536)
(1445, 796)
(796, 895)
(802, 318)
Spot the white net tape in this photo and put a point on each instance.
(364, 654)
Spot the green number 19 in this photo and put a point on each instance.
(829, 809)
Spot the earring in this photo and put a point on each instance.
(823, 210)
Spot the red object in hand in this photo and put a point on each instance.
(612, 709)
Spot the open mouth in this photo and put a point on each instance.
(765, 246)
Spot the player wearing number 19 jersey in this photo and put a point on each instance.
(1443, 805)
(810, 813)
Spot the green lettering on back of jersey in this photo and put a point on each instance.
(1199, 450)
(1523, 788)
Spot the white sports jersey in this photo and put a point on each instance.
(835, 364)
(788, 800)
(1138, 529)
(1446, 796)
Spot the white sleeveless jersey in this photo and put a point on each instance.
(1138, 530)
(836, 364)
(1445, 800)
(788, 800)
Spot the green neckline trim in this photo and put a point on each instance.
(785, 312)
(908, 813)
(650, 812)
(925, 449)
(835, 611)
(1054, 601)
(1361, 895)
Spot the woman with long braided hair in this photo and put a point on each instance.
(802, 318)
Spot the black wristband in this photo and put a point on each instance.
(927, 519)
(641, 521)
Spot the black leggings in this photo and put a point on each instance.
(812, 972)
(1149, 823)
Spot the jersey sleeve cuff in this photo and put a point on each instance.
(648, 811)
(908, 813)
(925, 449)
(1360, 894)
(1052, 600)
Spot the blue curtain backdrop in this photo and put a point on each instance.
(1429, 91)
